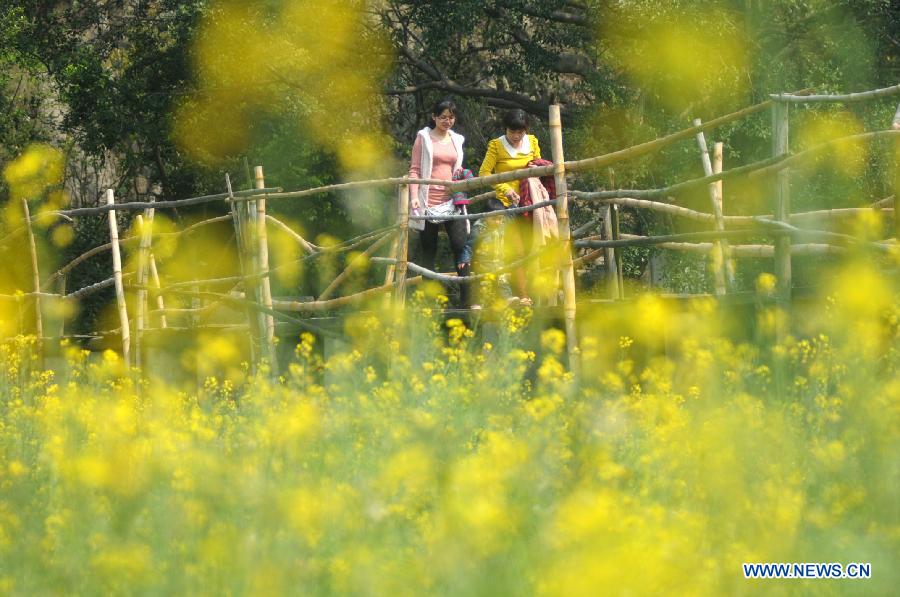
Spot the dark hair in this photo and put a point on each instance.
(438, 109)
(516, 120)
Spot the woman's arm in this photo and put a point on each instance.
(490, 163)
(415, 170)
(536, 147)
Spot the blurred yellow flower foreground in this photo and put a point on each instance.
(436, 459)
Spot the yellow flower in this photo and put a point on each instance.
(553, 340)
(765, 283)
(17, 469)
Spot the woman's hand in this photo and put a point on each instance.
(512, 196)
(414, 203)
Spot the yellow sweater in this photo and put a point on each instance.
(497, 160)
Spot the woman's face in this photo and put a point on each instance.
(515, 136)
(444, 121)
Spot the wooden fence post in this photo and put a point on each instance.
(391, 268)
(145, 229)
(620, 261)
(718, 160)
(254, 289)
(402, 243)
(265, 284)
(782, 204)
(117, 277)
(244, 262)
(718, 255)
(36, 284)
(565, 238)
(609, 255)
(782, 252)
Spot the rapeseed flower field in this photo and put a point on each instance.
(436, 457)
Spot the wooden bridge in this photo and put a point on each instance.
(157, 308)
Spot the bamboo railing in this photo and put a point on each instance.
(250, 289)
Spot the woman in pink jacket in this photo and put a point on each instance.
(438, 153)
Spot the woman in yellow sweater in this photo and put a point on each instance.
(512, 151)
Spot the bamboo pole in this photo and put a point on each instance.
(620, 265)
(353, 263)
(141, 293)
(787, 160)
(565, 239)
(837, 216)
(718, 162)
(749, 250)
(174, 204)
(763, 226)
(265, 284)
(307, 246)
(255, 292)
(666, 238)
(780, 136)
(36, 282)
(845, 98)
(245, 263)
(18, 296)
(828, 215)
(145, 228)
(718, 158)
(403, 244)
(584, 228)
(117, 276)
(718, 254)
(395, 248)
(614, 235)
(92, 288)
(300, 306)
(781, 146)
(609, 255)
(390, 271)
(160, 302)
